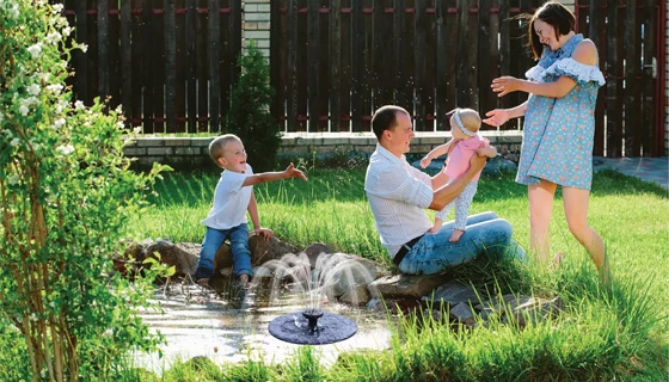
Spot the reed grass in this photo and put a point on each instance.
(616, 333)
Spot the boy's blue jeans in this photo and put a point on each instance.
(485, 233)
(239, 246)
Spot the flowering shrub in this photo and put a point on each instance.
(65, 193)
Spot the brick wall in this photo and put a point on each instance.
(255, 24)
(194, 152)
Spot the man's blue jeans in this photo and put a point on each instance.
(485, 232)
(239, 246)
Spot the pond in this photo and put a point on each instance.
(198, 322)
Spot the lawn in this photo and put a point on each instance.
(604, 334)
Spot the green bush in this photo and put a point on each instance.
(249, 116)
(66, 193)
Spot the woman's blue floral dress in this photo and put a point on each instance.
(558, 132)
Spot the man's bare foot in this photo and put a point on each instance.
(557, 261)
(455, 236)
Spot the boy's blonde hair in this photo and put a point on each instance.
(217, 146)
(470, 118)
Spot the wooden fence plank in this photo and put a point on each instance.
(277, 61)
(302, 79)
(649, 81)
(313, 45)
(137, 74)
(324, 64)
(181, 66)
(170, 66)
(345, 78)
(227, 60)
(114, 55)
(103, 48)
(472, 87)
(357, 65)
(595, 29)
(236, 39)
(126, 61)
(613, 70)
(632, 88)
(291, 10)
(80, 58)
(505, 51)
(202, 51)
(334, 52)
(191, 65)
(377, 54)
(421, 22)
(147, 65)
(401, 96)
(214, 42)
(442, 57)
(486, 98)
(430, 67)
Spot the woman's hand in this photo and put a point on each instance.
(505, 85)
(497, 117)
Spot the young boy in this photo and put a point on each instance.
(232, 198)
(465, 124)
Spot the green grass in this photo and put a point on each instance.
(604, 334)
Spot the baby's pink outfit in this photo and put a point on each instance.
(458, 159)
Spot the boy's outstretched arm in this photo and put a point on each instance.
(289, 172)
(266, 233)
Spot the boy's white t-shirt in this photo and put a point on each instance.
(231, 200)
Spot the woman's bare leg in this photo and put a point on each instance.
(541, 207)
(576, 211)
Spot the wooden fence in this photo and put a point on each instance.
(334, 62)
(170, 63)
(630, 114)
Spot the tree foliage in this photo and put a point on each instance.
(65, 193)
(249, 117)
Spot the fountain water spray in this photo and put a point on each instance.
(332, 275)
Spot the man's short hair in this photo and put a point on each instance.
(385, 118)
(217, 146)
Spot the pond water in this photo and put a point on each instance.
(199, 322)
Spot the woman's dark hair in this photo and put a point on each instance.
(385, 118)
(554, 14)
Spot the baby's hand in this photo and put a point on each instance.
(292, 172)
(436, 227)
(425, 161)
(266, 233)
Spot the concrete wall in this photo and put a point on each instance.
(194, 152)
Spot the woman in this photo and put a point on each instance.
(558, 129)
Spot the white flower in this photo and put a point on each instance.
(120, 124)
(15, 142)
(53, 38)
(57, 8)
(79, 105)
(23, 109)
(14, 12)
(65, 149)
(56, 88)
(137, 129)
(84, 47)
(13, 179)
(34, 89)
(35, 50)
(60, 122)
(60, 106)
(66, 31)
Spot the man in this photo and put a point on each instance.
(399, 193)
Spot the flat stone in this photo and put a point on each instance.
(453, 294)
(402, 285)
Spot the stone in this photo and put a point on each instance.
(402, 285)
(464, 313)
(454, 293)
(357, 295)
